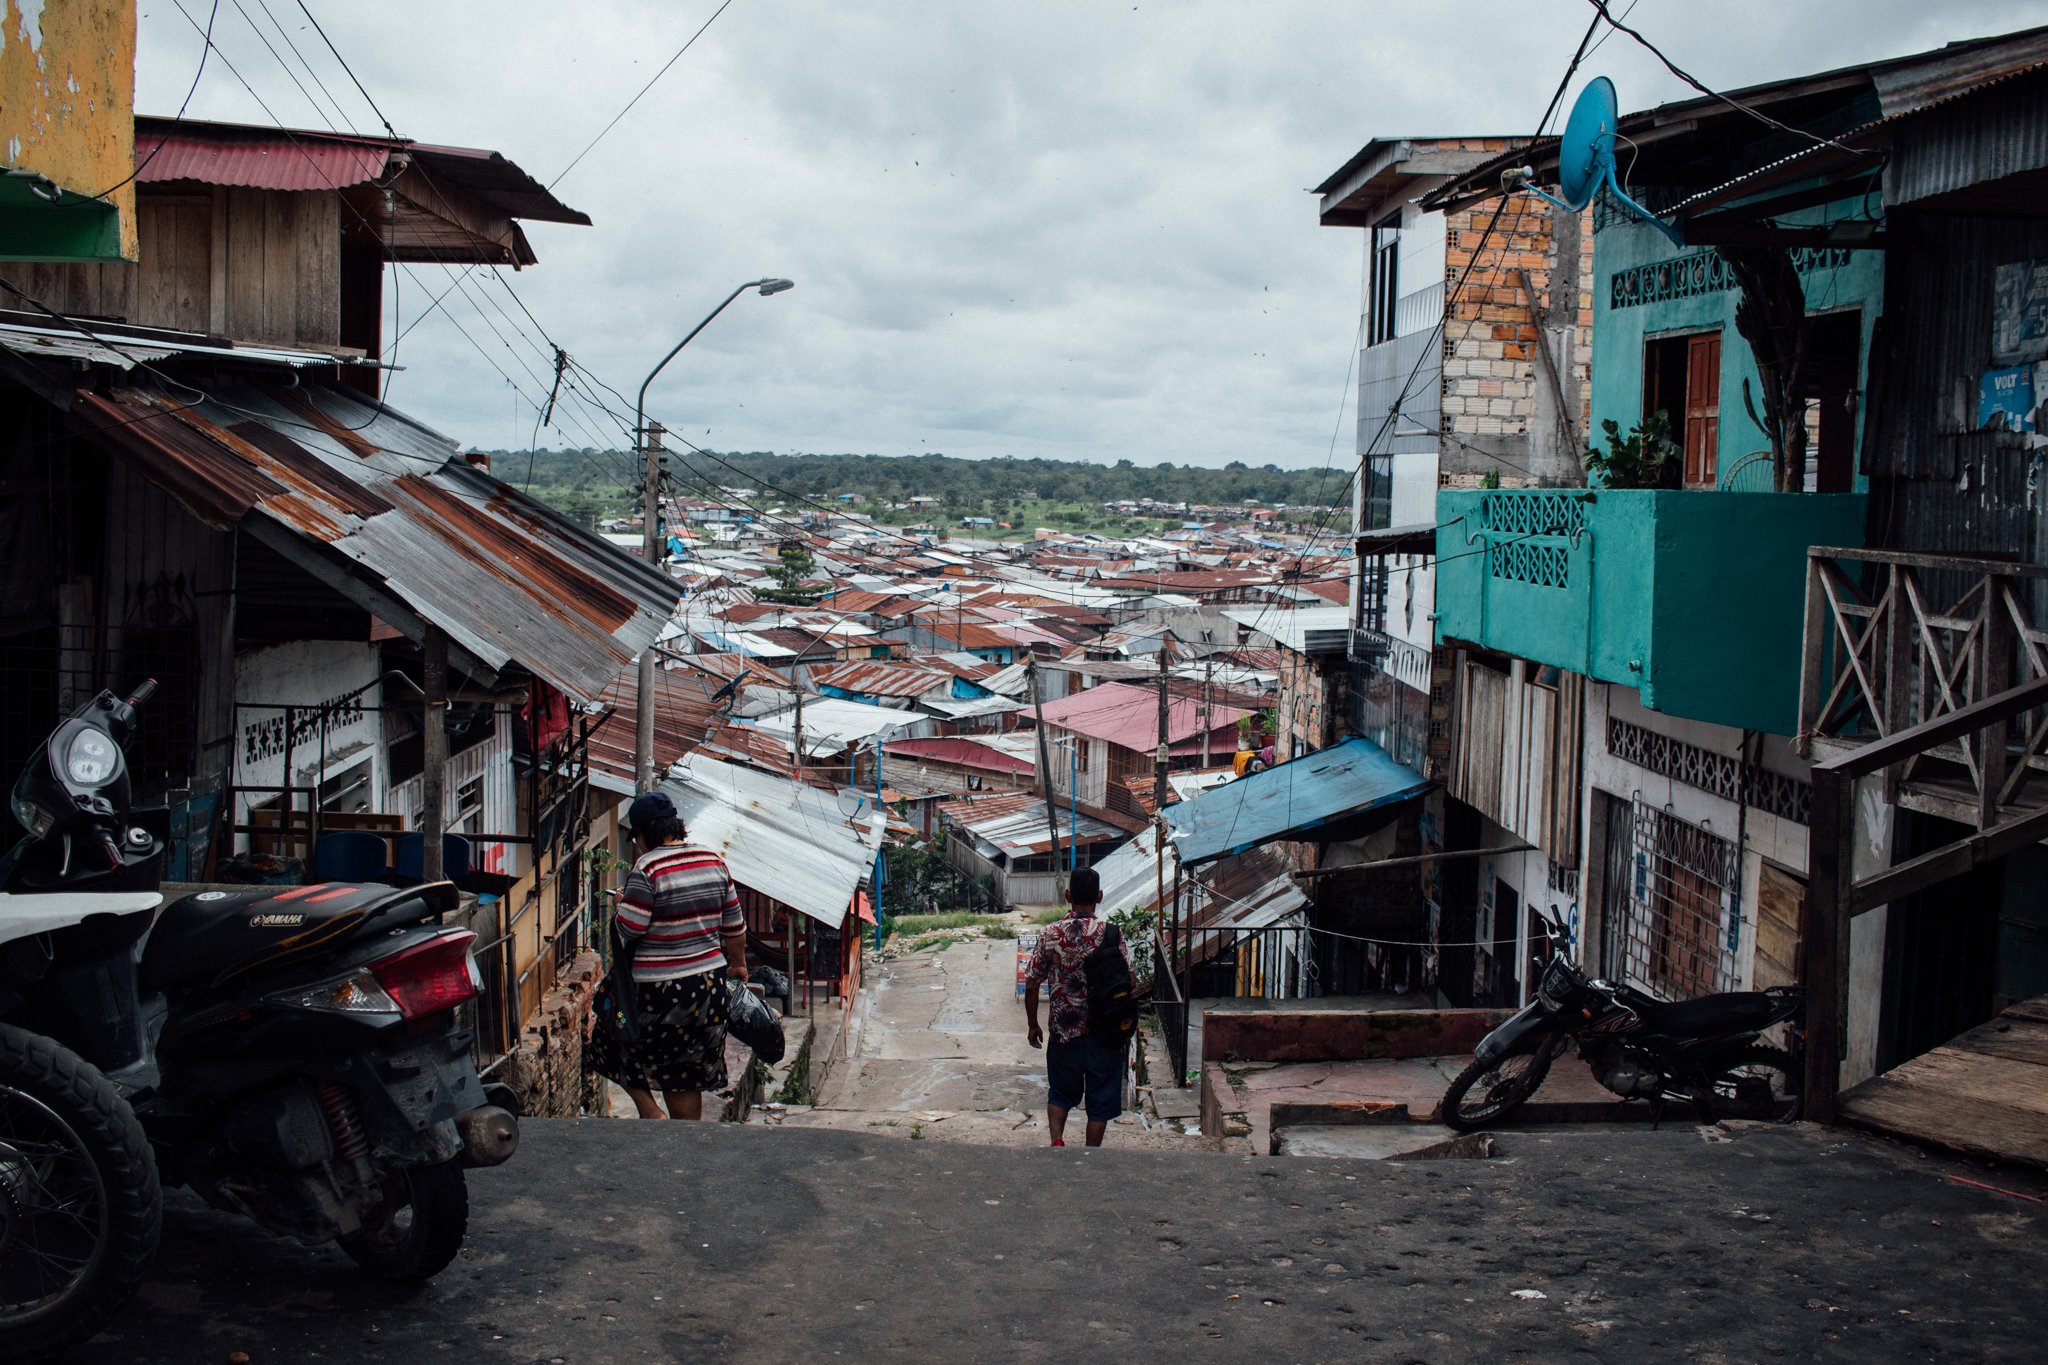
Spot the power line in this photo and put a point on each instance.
(347, 68)
(636, 98)
(205, 48)
(1759, 115)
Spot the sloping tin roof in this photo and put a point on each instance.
(968, 753)
(1128, 715)
(1014, 823)
(684, 713)
(787, 841)
(267, 158)
(384, 511)
(1289, 800)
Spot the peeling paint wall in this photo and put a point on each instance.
(67, 98)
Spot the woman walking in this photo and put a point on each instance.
(679, 920)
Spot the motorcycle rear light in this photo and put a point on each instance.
(358, 994)
(429, 977)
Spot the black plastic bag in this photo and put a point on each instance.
(618, 1001)
(749, 1020)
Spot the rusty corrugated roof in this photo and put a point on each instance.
(868, 677)
(684, 714)
(387, 513)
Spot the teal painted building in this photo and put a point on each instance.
(1664, 319)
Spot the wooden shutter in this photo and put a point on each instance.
(1702, 435)
(1780, 897)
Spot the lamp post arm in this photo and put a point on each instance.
(640, 403)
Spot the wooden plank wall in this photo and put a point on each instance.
(254, 265)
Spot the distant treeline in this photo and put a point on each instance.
(960, 485)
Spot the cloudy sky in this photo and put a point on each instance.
(1031, 227)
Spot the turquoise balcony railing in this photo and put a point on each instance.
(1696, 599)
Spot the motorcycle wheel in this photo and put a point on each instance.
(419, 1228)
(1502, 1087)
(80, 1203)
(1761, 1083)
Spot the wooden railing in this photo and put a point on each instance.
(1836, 894)
(1896, 640)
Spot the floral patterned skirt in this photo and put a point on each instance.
(682, 1036)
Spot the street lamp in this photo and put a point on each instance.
(650, 540)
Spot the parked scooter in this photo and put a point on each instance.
(1707, 1053)
(291, 1053)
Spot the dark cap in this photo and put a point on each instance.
(1085, 886)
(648, 807)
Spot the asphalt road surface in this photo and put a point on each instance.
(606, 1241)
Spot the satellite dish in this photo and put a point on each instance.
(1585, 157)
(852, 803)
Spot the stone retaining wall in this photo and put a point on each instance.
(546, 1069)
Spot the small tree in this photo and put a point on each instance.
(1645, 458)
(796, 567)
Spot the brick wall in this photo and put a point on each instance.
(546, 1069)
(1495, 391)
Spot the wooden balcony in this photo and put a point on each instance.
(1895, 639)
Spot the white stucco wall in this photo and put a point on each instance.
(307, 673)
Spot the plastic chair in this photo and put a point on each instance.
(455, 857)
(350, 855)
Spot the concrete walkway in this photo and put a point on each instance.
(617, 1242)
(940, 1055)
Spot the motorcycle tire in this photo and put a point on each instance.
(1765, 1084)
(416, 1235)
(77, 1182)
(1515, 1079)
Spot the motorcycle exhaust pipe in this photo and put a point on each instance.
(490, 1135)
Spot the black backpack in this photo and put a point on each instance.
(1113, 1002)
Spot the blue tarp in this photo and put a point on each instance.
(1289, 800)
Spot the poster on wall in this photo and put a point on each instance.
(2019, 313)
(2005, 399)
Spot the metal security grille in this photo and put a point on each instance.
(1673, 926)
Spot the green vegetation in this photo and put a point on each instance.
(1645, 458)
(1048, 915)
(591, 484)
(909, 925)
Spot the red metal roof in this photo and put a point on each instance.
(1127, 715)
(258, 161)
(965, 752)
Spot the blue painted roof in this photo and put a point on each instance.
(1289, 800)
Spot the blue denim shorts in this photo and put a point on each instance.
(1090, 1065)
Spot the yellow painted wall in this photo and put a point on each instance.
(67, 97)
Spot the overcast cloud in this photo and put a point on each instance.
(1077, 230)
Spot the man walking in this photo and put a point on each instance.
(1077, 1066)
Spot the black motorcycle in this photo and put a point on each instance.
(291, 1053)
(1708, 1053)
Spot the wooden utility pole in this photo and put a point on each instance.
(1159, 760)
(1208, 671)
(652, 548)
(1052, 810)
(433, 753)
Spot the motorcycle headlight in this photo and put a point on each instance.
(91, 759)
(37, 821)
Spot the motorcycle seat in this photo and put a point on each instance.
(215, 935)
(1733, 1012)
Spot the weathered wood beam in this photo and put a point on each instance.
(1950, 860)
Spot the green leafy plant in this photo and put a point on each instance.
(1646, 457)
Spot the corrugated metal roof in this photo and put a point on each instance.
(831, 724)
(256, 159)
(268, 158)
(1247, 893)
(1014, 823)
(873, 677)
(1128, 715)
(684, 712)
(971, 708)
(1289, 800)
(960, 749)
(124, 346)
(790, 842)
(386, 512)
